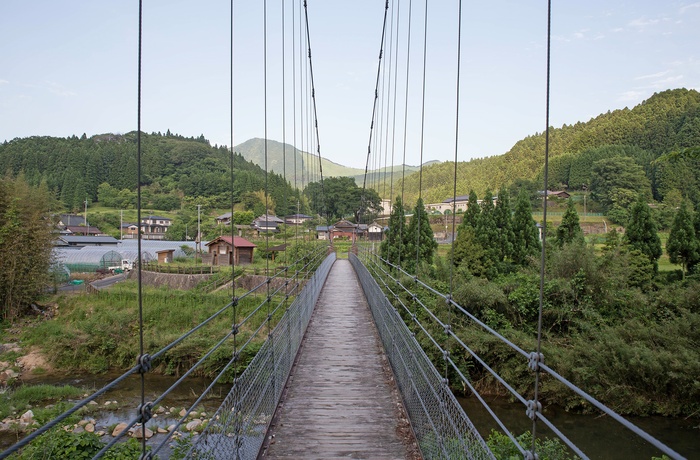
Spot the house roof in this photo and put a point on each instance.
(155, 218)
(83, 229)
(322, 228)
(226, 215)
(344, 224)
(269, 218)
(299, 216)
(87, 240)
(72, 220)
(238, 242)
(459, 198)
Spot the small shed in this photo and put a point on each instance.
(165, 256)
(225, 251)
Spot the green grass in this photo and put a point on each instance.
(16, 402)
(98, 333)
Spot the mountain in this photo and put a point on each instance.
(665, 122)
(306, 165)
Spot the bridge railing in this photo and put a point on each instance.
(400, 301)
(237, 429)
(441, 427)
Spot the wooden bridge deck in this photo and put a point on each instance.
(340, 400)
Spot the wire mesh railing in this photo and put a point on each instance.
(238, 428)
(441, 427)
(405, 302)
(289, 305)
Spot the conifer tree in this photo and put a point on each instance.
(392, 246)
(526, 239)
(503, 220)
(682, 244)
(569, 230)
(420, 243)
(641, 232)
(471, 216)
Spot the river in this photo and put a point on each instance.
(599, 437)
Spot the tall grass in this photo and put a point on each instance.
(100, 332)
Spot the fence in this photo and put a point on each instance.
(238, 428)
(441, 427)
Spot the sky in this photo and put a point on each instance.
(70, 67)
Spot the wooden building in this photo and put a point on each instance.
(225, 252)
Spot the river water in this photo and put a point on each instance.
(599, 437)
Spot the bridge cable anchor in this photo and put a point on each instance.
(145, 412)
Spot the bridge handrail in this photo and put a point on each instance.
(239, 425)
(442, 428)
(532, 406)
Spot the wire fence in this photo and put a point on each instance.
(405, 303)
(308, 271)
(238, 428)
(441, 426)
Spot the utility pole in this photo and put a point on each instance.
(121, 223)
(86, 222)
(199, 234)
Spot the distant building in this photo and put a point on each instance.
(267, 224)
(297, 219)
(223, 219)
(80, 241)
(556, 194)
(81, 230)
(460, 204)
(375, 232)
(322, 232)
(225, 251)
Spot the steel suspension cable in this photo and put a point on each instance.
(419, 210)
(393, 117)
(405, 126)
(376, 98)
(315, 109)
(454, 175)
(144, 360)
(538, 356)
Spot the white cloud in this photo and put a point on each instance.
(642, 22)
(653, 75)
(631, 96)
(58, 89)
(688, 7)
(4, 82)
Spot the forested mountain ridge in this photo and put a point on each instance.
(665, 122)
(174, 169)
(304, 166)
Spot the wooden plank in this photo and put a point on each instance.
(340, 400)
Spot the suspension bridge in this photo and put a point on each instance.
(341, 372)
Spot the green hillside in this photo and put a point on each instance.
(665, 122)
(176, 171)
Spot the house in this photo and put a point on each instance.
(267, 224)
(297, 219)
(344, 229)
(225, 251)
(386, 207)
(459, 203)
(322, 232)
(556, 194)
(80, 241)
(375, 232)
(154, 227)
(129, 230)
(70, 220)
(223, 219)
